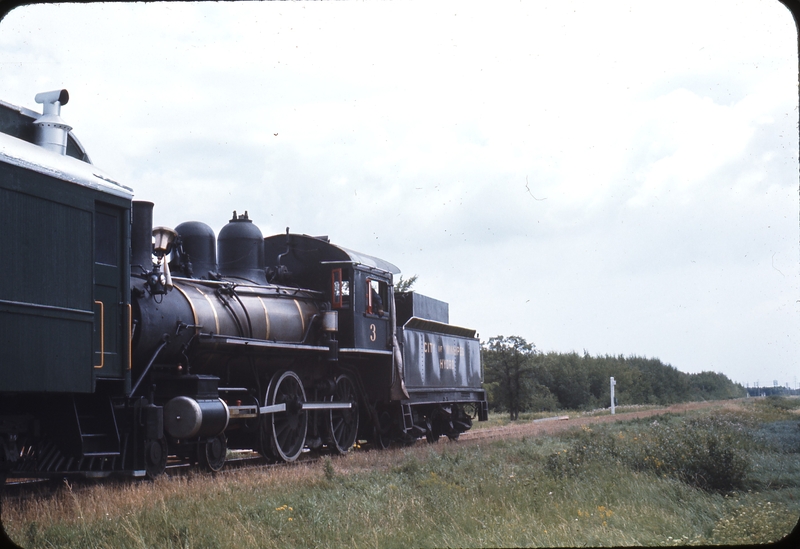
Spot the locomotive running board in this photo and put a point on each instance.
(276, 408)
(242, 412)
(327, 405)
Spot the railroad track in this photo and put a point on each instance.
(27, 487)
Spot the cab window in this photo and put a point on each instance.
(340, 290)
(377, 297)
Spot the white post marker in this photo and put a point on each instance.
(612, 395)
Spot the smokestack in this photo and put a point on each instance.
(142, 237)
(51, 130)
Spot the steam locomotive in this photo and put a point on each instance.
(127, 346)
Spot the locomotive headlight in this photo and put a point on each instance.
(153, 279)
(157, 282)
(163, 239)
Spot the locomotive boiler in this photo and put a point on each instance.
(127, 346)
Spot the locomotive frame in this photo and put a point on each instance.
(125, 346)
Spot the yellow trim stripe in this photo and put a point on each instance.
(191, 306)
(302, 318)
(266, 315)
(102, 334)
(130, 339)
(213, 309)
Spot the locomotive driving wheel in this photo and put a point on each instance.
(286, 430)
(343, 423)
(211, 455)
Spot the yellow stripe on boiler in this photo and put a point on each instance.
(213, 309)
(191, 306)
(302, 318)
(266, 316)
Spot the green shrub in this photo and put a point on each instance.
(709, 454)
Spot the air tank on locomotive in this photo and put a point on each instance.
(204, 302)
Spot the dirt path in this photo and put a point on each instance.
(556, 424)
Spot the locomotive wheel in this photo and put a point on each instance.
(383, 435)
(155, 457)
(211, 455)
(343, 424)
(264, 440)
(382, 441)
(287, 430)
(431, 436)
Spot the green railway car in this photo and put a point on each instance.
(65, 298)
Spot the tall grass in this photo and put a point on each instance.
(508, 493)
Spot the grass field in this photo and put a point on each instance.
(707, 477)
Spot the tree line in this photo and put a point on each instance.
(520, 378)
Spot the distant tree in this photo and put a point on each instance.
(712, 385)
(568, 379)
(404, 285)
(641, 380)
(518, 378)
(508, 368)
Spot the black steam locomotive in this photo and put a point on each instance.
(125, 346)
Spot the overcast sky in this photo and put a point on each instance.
(619, 180)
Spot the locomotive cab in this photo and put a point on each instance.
(361, 295)
(357, 286)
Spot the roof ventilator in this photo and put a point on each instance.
(51, 130)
